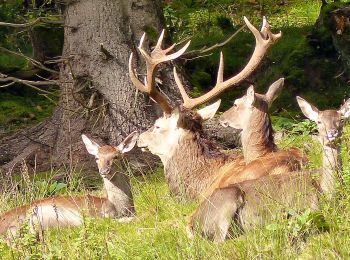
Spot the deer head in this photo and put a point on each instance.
(106, 154)
(329, 122)
(239, 116)
(164, 136)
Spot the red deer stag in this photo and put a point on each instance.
(191, 163)
(250, 203)
(67, 210)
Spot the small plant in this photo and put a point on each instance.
(305, 127)
(300, 226)
(56, 187)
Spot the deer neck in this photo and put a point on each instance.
(119, 194)
(257, 137)
(331, 164)
(193, 166)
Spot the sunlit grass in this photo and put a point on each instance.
(159, 229)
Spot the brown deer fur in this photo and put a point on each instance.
(249, 203)
(195, 167)
(259, 149)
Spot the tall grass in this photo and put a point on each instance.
(159, 229)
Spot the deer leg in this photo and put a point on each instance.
(214, 215)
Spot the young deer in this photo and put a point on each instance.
(191, 163)
(249, 203)
(68, 210)
(250, 114)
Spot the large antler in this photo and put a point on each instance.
(157, 56)
(263, 38)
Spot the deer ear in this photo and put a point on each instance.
(250, 97)
(345, 109)
(274, 90)
(310, 111)
(90, 145)
(129, 142)
(208, 112)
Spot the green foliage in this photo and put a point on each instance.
(56, 187)
(19, 40)
(309, 70)
(301, 224)
(305, 127)
(282, 123)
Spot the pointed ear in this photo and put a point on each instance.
(250, 95)
(345, 109)
(129, 142)
(274, 90)
(310, 111)
(208, 112)
(90, 145)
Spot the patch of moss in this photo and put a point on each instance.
(21, 107)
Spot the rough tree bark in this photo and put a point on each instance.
(100, 101)
(98, 98)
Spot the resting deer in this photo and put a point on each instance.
(248, 203)
(68, 210)
(191, 163)
(250, 115)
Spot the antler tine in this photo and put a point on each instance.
(170, 48)
(138, 84)
(158, 46)
(157, 56)
(186, 99)
(142, 40)
(264, 35)
(220, 77)
(160, 41)
(263, 40)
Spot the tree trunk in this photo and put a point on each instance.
(97, 97)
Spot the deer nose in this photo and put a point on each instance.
(332, 133)
(105, 170)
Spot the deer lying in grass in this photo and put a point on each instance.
(191, 162)
(250, 115)
(68, 210)
(250, 203)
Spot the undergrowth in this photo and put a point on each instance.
(22, 107)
